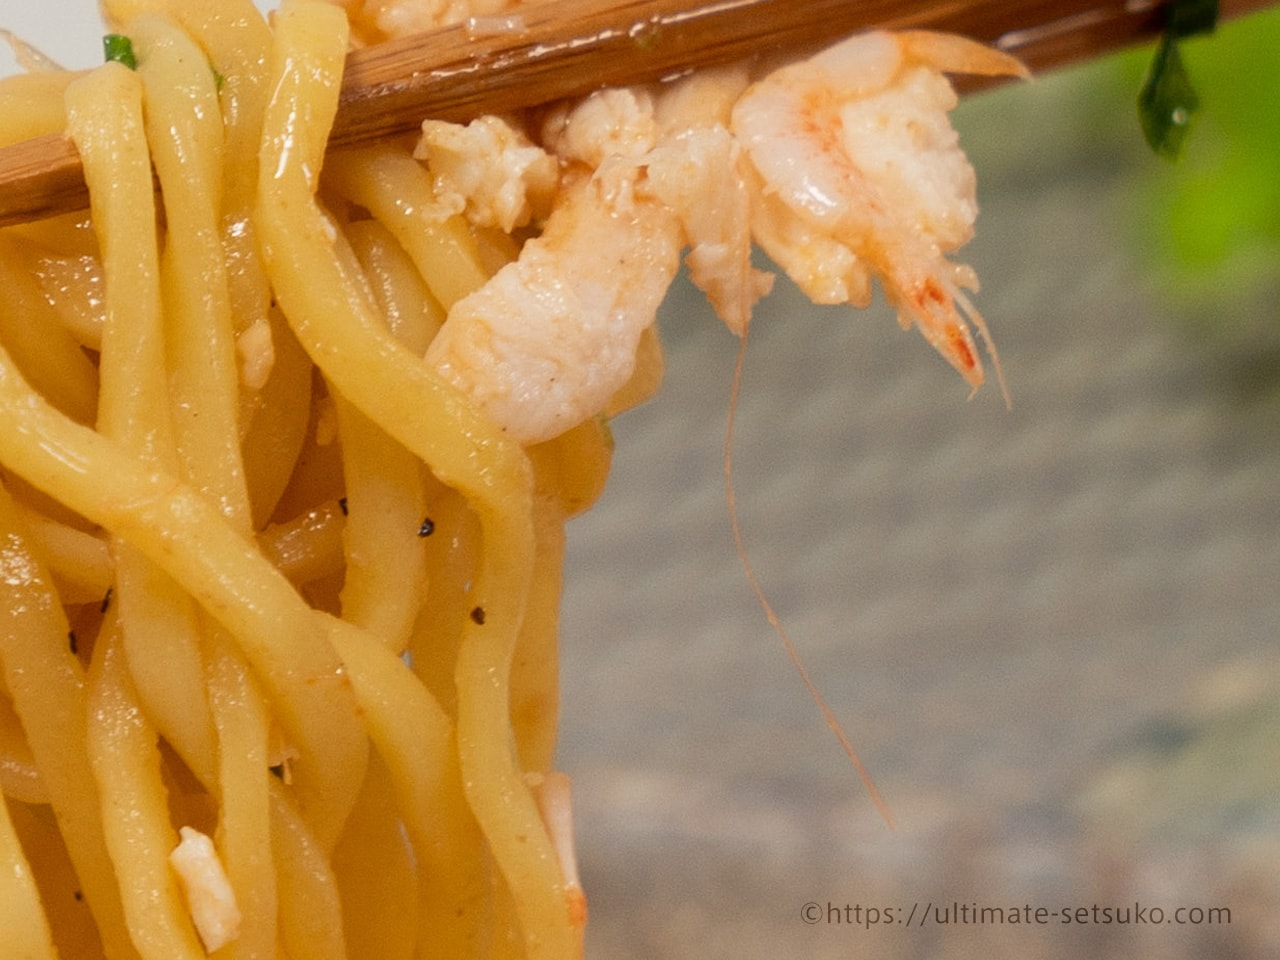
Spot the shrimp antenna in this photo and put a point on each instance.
(972, 313)
(770, 614)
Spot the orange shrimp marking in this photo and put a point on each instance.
(961, 348)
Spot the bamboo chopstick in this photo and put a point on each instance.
(566, 48)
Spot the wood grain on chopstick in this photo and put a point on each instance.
(571, 47)
(555, 50)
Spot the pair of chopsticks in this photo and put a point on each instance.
(550, 51)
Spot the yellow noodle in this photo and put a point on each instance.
(19, 775)
(79, 561)
(47, 354)
(241, 718)
(307, 547)
(453, 553)
(333, 321)
(105, 119)
(70, 922)
(71, 280)
(236, 40)
(144, 400)
(573, 467)
(397, 191)
(384, 544)
(646, 379)
(179, 530)
(185, 133)
(413, 315)
(47, 685)
(161, 636)
(274, 420)
(24, 931)
(307, 892)
(535, 673)
(30, 105)
(571, 473)
(126, 766)
(419, 746)
(376, 876)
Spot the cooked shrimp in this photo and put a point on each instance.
(552, 336)
(843, 168)
(376, 20)
(861, 175)
(489, 171)
(696, 169)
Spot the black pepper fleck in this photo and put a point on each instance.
(428, 527)
(477, 616)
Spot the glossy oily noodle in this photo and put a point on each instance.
(270, 579)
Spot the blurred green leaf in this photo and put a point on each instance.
(1211, 224)
(1186, 18)
(1167, 101)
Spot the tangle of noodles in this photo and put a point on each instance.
(268, 579)
(287, 447)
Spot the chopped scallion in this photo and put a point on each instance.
(118, 47)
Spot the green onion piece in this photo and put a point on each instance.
(118, 47)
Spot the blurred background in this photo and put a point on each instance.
(1050, 631)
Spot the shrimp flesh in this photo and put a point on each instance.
(861, 175)
(843, 168)
(697, 170)
(489, 171)
(553, 335)
(376, 20)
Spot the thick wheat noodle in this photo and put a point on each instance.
(359, 758)
(334, 323)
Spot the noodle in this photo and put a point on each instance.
(280, 659)
(359, 806)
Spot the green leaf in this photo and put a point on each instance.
(1186, 18)
(118, 47)
(1167, 101)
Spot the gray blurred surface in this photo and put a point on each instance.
(1050, 632)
